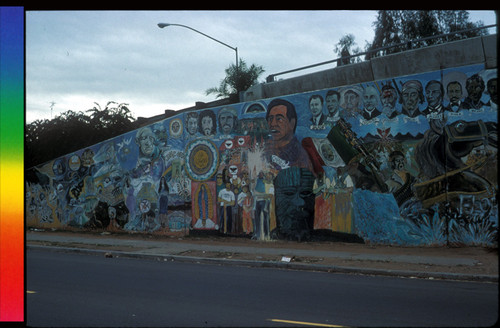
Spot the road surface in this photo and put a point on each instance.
(69, 289)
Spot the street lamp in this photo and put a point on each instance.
(162, 25)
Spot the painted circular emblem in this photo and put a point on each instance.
(74, 162)
(176, 128)
(202, 158)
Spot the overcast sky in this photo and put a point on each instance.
(77, 58)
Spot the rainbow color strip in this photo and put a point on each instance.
(12, 164)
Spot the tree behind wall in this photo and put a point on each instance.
(71, 131)
(402, 26)
(345, 48)
(237, 79)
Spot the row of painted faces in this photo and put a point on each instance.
(462, 93)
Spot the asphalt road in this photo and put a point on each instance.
(68, 290)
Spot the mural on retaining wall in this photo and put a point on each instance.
(405, 161)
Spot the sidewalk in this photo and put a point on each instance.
(467, 263)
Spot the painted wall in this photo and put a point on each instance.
(404, 161)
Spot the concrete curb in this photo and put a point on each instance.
(279, 265)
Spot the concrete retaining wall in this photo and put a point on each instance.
(389, 160)
(480, 50)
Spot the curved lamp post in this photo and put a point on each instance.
(162, 25)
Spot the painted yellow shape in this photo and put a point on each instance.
(305, 323)
(342, 212)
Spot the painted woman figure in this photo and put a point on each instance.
(245, 201)
(163, 192)
(203, 207)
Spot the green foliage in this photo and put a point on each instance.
(71, 131)
(237, 79)
(346, 47)
(398, 26)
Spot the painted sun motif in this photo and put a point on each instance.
(202, 159)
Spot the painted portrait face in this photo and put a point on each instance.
(226, 122)
(316, 106)
(398, 162)
(410, 98)
(87, 157)
(192, 125)
(351, 100)
(146, 142)
(389, 100)
(475, 89)
(176, 127)
(281, 128)
(492, 89)
(332, 104)
(370, 98)
(328, 152)
(433, 94)
(206, 125)
(454, 92)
